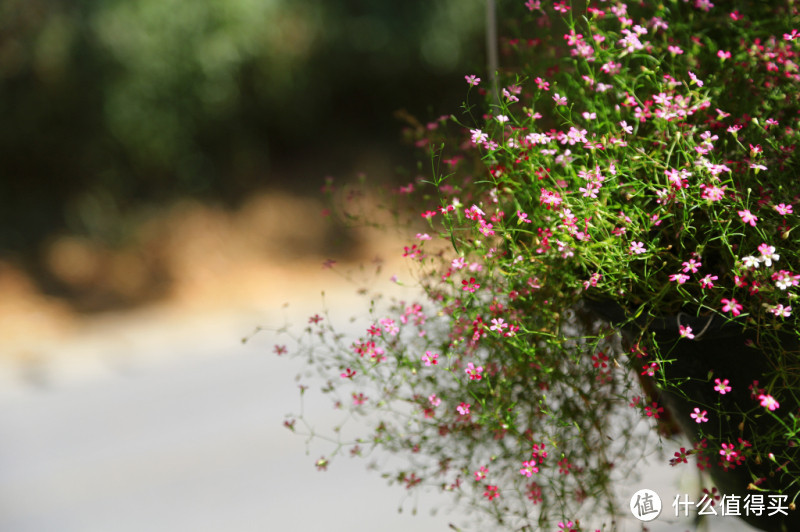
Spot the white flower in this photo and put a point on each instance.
(750, 262)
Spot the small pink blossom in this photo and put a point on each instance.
(722, 386)
(713, 192)
(528, 468)
(728, 453)
(731, 305)
(708, 281)
(433, 400)
(542, 84)
(686, 332)
(769, 402)
(783, 209)
(561, 7)
(474, 372)
(691, 266)
(472, 79)
(698, 416)
(781, 311)
(748, 217)
(680, 278)
(430, 358)
(768, 254)
(492, 492)
(470, 286)
(463, 409)
(785, 279)
(533, 4)
(637, 248)
(498, 324)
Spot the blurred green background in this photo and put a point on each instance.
(114, 108)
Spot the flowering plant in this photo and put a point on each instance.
(635, 155)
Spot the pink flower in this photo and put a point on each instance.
(698, 416)
(731, 305)
(650, 370)
(433, 400)
(722, 386)
(472, 79)
(473, 372)
(708, 281)
(783, 209)
(478, 137)
(528, 468)
(781, 311)
(692, 266)
(728, 453)
(767, 254)
(470, 286)
(533, 4)
(491, 492)
(430, 358)
(785, 279)
(637, 248)
(498, 324)
(560, 100)
(748, 217)
(561, 7)
(722, 54)
(463, 409)
(695, 80)
(542, 84)
(481, 473)
(768, 401)
(686, 332)
(680, 278)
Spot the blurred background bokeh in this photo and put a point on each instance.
(119, 118)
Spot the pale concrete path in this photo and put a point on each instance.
(160, 424)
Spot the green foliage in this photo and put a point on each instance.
(123, 104)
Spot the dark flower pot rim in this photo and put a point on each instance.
(704, 327)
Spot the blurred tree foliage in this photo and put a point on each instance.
(107, 106)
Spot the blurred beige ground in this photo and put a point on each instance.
(185, 265)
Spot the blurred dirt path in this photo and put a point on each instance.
(188, 267)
